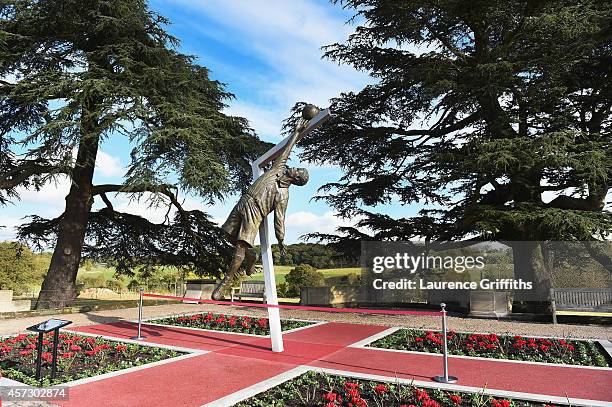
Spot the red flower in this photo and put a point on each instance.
(544, 348)
(418, 339)
(262, 322)
(381, 389)
(350, 385)
(455, 398)
(75, 348)
(120, 348)
(354, 393)
(421, 394)
(67, 355)
(25, 352)
(330, 396)
(46, 356)
(500, 403)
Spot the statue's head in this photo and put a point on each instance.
(298, 176)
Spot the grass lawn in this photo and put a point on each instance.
(332, 276)
(282, 271)
(98, 270)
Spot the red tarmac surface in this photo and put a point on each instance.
(239, 361)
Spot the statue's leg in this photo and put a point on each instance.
(239, 255)
(251, 258)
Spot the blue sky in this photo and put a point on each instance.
(268, 53)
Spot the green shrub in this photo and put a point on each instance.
(351, 279)
(133, 285)
(93, 282)
(20, 268)
(281, 289)
(304, 275)
(115, 285)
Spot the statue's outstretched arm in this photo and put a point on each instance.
(284, 155)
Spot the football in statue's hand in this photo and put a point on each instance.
(309, 111)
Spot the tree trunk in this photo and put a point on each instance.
(529, 267)
(59, 286)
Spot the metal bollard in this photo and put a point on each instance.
(445, 378)
(140, 337)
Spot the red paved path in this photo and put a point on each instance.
(239, 361)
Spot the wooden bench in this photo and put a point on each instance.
(250, 289)
(573, 301)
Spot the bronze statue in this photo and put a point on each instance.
(269, 192)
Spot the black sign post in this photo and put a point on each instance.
(43, 328)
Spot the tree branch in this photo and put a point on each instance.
(431, 131)
(19, 174)
(595, 201)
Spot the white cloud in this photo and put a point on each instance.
(303, 222)
(8, 229)
(154, 213)
(109, 165)
(50, 199)
(264, 121)
(287, 36)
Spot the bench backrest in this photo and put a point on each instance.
(591, 297)
(252, 287)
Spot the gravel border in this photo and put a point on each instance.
(457, 323)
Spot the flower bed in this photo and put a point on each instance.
(228, 323)
(317, 389)
(78, 357)
(569, 352)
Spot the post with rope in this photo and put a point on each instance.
(445, 378)
(139, 337)
(264, 233)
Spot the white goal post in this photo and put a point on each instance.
(258, 165)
